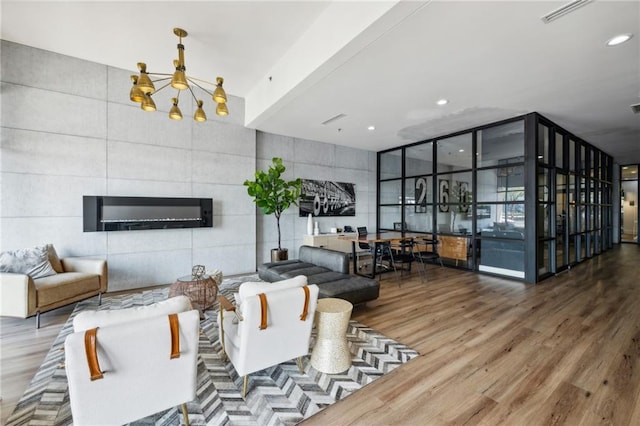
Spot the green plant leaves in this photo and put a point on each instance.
(271, 193)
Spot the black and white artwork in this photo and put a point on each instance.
(327, 198)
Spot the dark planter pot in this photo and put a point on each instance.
(278, 255)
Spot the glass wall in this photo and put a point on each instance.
(466, 189)
(469, 190)
(418, 188)
(500, 212)
(573, 219)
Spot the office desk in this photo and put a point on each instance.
(376, 239)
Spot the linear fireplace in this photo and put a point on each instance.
(102, 213)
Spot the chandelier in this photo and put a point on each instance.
(143, 87)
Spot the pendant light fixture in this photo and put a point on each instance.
(143, 87)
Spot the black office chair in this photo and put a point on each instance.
(383, 252)
(363, 246)
(403, 255)
(426, 256)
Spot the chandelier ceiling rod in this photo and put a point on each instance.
(143, 87)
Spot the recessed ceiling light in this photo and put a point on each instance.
(619, 39)
(625, 167)
(540, 156)
(461, 150)
(371, 127)
(442, 102)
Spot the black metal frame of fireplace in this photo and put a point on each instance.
(143, 213)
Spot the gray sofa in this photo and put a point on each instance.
(328, 269)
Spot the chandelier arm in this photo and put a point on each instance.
(193, 94)
(160, 73)
(160, 79)
(201, 81)
(201, 88)
(157, 90)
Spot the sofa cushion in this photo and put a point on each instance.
(29, 261)
(54, 259)
(325, 277)
(281, 269)
(54, 288)
(266, 266)
(353, 289)
(307, 271)
(331, 259)
(276, 271)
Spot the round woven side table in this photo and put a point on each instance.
(331, 353)
(202, 291)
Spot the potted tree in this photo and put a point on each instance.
(274, 195)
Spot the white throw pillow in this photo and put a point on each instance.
(29, 261)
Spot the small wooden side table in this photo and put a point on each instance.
(331, 353)
(202, 291)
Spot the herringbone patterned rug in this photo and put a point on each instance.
(277, 395)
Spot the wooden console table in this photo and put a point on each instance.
(453, 247)
(330, 241)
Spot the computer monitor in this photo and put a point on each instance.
(444, 227)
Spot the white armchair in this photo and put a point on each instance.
(271, 323)
(127, 364)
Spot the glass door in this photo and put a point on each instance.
(629, 204)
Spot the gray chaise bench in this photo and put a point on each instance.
(328, 269)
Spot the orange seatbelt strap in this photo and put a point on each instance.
(91, 351)
(174, 326)
(305, 310)
(263, 308)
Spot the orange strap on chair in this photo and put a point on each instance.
(305, 309)
(91, 351)
(263, 309)
(174, 326)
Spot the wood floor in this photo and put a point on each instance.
(492, 351)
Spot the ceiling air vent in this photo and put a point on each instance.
(636, 108)
(332, 119)
(563, 10)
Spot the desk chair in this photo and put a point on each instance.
(382, 253)
(364, 247)
(403, 254)
(427, 256)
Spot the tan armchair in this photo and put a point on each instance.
(21, 296)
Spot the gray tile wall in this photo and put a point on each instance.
(69, 129)
(321, 161)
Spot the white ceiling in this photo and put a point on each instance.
(379, 63)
